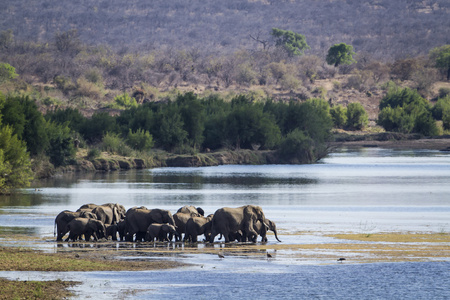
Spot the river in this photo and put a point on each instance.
(365, 190)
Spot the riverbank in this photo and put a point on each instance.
(107, 162)
(392, 141)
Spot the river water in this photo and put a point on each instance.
(363, 191)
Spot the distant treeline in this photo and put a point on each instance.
(388, 29)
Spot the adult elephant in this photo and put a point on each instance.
(191, 210)
(139, 218)
(228, 220)
(160, 232)
(196, 226)
(261, 229)
(87, 227)
(108, 213)
(64, 217)
(181, 220)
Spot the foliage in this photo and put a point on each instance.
(15, 165)
(61, 148)
(293, 43)
(441, 106)
(297, 147)
(357, 117)
(21, 112)
(171, 132)
(339, 116)
(124, 101)
(192, 112)
(94, 128)
(441, 56)
(404, 110)
(7, 72)
(140, 140)
(113, 143)
(93, 153)
(339, 54)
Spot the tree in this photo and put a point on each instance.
(340, 54)
(293, 43)
(7, 72)
(15, 162)
(61, 148)
(6, 38)
(441, 56)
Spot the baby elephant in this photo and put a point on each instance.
(160, 231)
(86, 227)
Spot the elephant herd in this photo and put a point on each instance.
(240, 224)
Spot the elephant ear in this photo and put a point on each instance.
(116, 217)
(249, 213)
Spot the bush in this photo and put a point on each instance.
(441, 105)
(93, 153)
(297, 147)
(339, 116)
(113, 143)
(357, 117)
(444, 92)
(61, 148)
(140, 140)
(404, 110)
(124, 101)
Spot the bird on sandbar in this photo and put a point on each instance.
(269, 255)
(220, 255)
(341, 259)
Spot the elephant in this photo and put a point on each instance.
(121, 229)
(194, 212)
(181, 220)
(86, 227)
(108, 213)
(228, 220)
(196, 226)
(160, 231)
(139, 218)
(64, 217)
(261, 229)
(111, 231)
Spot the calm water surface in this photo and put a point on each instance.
(367, 190)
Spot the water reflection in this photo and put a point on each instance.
(382, 185)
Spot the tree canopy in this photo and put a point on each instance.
(340, 54)
(294, 43)
(441, 56)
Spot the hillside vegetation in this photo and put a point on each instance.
(387, 29)
(152, 79)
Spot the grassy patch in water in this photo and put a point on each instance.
(397, 237)
(56, 289)
(17, 259)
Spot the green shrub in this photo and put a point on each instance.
(124, 101)
(297, 147)
(339, 116)
(357, 117)
(444, 92)
(93, 153)
(113, 143)
(140, 140)
(441, 105)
